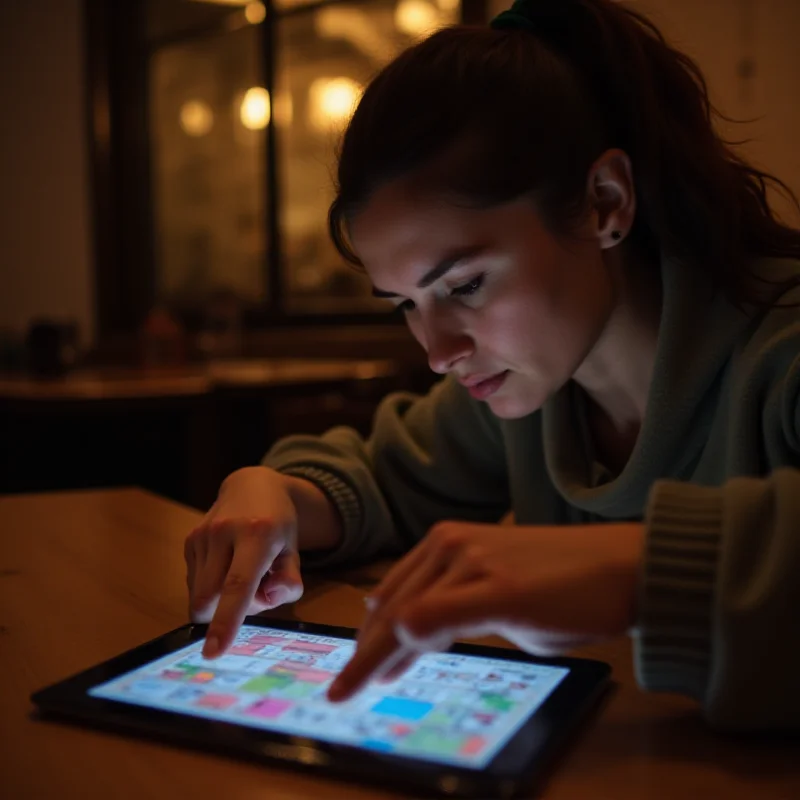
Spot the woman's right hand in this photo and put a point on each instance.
(243, 557)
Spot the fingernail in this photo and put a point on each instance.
(211, 647)
(370, 602)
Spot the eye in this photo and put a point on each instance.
(467, 289)
(405, 306)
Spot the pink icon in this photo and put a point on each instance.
(220, 701)
(269, 708)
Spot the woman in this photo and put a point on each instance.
(613, 306)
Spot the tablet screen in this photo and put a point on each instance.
(448, 708)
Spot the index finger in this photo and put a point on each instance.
(251, 560)
(375, 657)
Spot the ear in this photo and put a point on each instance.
(611, 197)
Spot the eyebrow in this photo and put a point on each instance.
(442, 268)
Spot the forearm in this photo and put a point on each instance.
(319, 525)
(427, 459)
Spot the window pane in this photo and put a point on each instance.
(325, 58)
(208, 113)
(173, 17)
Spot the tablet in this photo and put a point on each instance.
(474, 721)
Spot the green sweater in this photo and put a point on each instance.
(713, 475)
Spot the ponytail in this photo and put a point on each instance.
(530, 103)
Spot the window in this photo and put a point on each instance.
(214, 167)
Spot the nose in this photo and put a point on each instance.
(446, 346)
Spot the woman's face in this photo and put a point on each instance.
(494, 298)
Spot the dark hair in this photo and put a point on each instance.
(499, 114)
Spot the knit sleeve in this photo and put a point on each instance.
(429, 458)
(720, 596)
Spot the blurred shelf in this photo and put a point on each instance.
(131, 383)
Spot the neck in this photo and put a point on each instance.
(616, 374)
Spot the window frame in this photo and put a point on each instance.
(116, 64)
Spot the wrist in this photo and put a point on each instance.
(679, 577)
(232, 479)
(319, 525)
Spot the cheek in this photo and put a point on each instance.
(518, 327)
(416, 328)
(547, 329)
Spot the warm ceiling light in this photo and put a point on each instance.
(196, 118)
(332, 101)
(255, 108)
(415, 17)
(255, 12)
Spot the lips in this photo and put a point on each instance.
(483, 387)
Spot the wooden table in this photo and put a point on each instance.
(87, 575)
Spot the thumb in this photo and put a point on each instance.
(284, 582)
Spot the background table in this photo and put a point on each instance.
(87, 575)
(176, 431)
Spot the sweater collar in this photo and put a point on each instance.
(697, 333)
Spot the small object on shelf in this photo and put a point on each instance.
(51, 347)
(162, 340)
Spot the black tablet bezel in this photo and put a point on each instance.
(513, 768)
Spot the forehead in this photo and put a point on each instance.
(403, 222)
(404, 230)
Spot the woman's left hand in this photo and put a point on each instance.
(546, 589)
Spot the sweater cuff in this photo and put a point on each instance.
(348, 506)
(673, 641)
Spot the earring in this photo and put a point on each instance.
(616, 235)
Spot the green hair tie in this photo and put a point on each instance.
(516, 17)
(550, 19)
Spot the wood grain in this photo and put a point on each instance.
(87, 575)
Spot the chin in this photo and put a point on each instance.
(510, 407)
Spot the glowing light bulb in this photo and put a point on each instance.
(196, 118)
(255, 108)
(333, 101)
(255, 12)
(415, 17)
